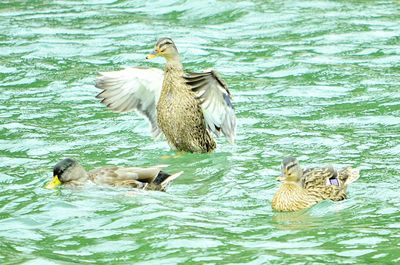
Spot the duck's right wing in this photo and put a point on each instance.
(132, 89)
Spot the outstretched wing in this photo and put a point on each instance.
(132, 89)
(215, 101)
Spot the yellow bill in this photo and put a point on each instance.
(53, 183)
(280, 178)
(152, 55)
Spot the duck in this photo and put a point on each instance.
(69, 172)
(188, 109)
(301, 189)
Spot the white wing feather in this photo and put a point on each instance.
(215, 101)
(132, 89)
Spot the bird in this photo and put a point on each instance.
(301, 189)
(70, 173)
(187, 108)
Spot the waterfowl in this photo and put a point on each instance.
(70, 173)
(301, 189)
(185, 107)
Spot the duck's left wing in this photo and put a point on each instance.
(324, 183)
(138, 177)
(215, 101)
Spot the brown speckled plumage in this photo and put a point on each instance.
(292, 197)
(192, 105)
(139, 178)
(179, 114)
(302, 189)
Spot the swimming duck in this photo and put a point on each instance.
(185, 107)
(70, 173)
(301, 189)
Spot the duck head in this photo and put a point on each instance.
(166, 48)
(291, 170)
(67, 170)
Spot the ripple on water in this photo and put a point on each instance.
(317, 80)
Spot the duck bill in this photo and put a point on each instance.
(152, 55)
(282, 176)
(55, 182)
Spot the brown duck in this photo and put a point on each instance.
(70, 173)
(185, 107)
(301, 189)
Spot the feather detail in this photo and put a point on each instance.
(132, 89)
(136, 177)
(215, 101)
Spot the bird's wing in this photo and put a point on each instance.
(146, 174)
(319, 177)
(324, 183)
(215, 101)
(125, 176)
(132, 89)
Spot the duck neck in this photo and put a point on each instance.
(81, 177)
(173, 77)
(290, 182)
(173, 64)
(78, 173)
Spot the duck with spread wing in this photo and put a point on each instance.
(186, 107)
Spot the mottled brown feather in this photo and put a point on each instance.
(179, 115)
(134, 177)
(313, 187)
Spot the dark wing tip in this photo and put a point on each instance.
(99, 95)
(228, 101)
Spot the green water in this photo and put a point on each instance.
(319, 80)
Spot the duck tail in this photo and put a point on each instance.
(170, 178)
(352, 175)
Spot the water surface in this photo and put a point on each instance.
(317, 80)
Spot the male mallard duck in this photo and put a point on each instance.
(184, 107)
(303, 188)
(70, 172)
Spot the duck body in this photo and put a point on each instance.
(303, 189)
(292, 197)
(179, 114)
(69, 172)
